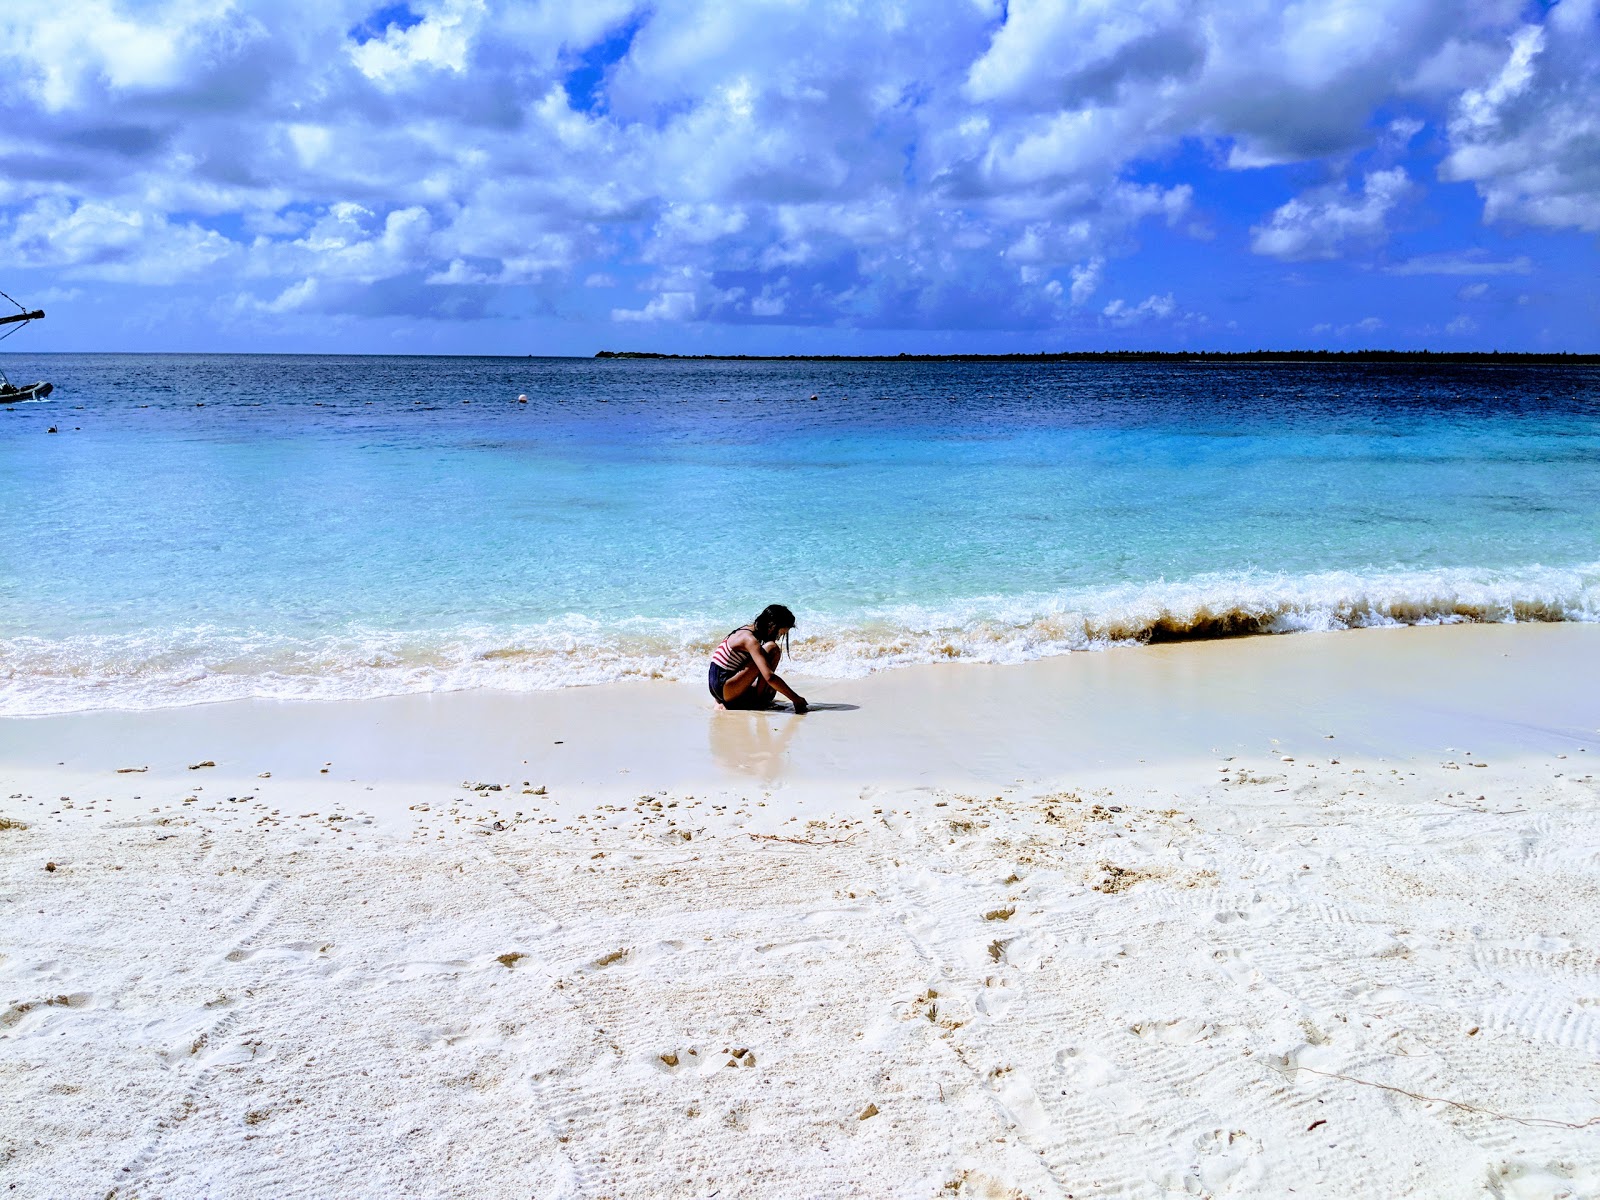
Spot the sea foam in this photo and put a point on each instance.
(189, 665)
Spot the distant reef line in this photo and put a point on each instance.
(1160, 356)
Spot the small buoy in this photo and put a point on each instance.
(523, 399)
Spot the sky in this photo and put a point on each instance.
(771, 176)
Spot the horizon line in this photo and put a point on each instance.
(1568, 357)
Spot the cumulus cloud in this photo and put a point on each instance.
(917, 165)
(295, 298)
(103, 240)
(1529, 138)
(1153, 308)
(1086, 279)
(1272, 82)
(1326, 222)
(668, 306)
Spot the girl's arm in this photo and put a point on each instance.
(758, 655)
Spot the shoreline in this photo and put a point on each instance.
(1398, 692)
(1122, 924)
(172, 666)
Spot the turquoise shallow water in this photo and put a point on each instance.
(205, 527)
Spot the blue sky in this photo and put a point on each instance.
(761, 176)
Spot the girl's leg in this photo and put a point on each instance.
(746, 688)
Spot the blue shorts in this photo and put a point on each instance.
(755, 696)
(718, 677)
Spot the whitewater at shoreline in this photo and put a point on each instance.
(1305, 913)
(206, 664)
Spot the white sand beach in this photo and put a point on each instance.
(1308, 916)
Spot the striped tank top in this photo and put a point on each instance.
(730, 658)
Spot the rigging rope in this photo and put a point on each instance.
(14, 328)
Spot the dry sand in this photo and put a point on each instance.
(1126, 924)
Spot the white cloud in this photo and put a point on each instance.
(1086, 279)
(53, 295)
(1401, 130)
(897, 164)
(701, 224)
(1462, 262)
(439, 42)
(99, 240)
(1527, 138)
(1364, 325)
(70, 52)
(461, 271)
(348, 241)
(767, 305)
(669, 306)
(299, 296)
(1326, 222)
(1273, 82)
(1153, 308)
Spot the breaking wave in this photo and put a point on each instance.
(163, 668)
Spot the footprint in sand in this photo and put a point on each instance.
(17, 1013)
(1097, 1078)
(1015, 1093)
(1238, 965)
(633, 955)
(995, 999)
(1226, 1161)
(1519, 1179)
(1086, 1069)
(236, 1053)
(1180, 1032)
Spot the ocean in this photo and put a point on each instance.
(206, 527)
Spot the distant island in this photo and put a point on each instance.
(1173, 356)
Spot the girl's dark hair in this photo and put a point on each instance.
(773, 618)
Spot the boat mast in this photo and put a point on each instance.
(19, 318)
